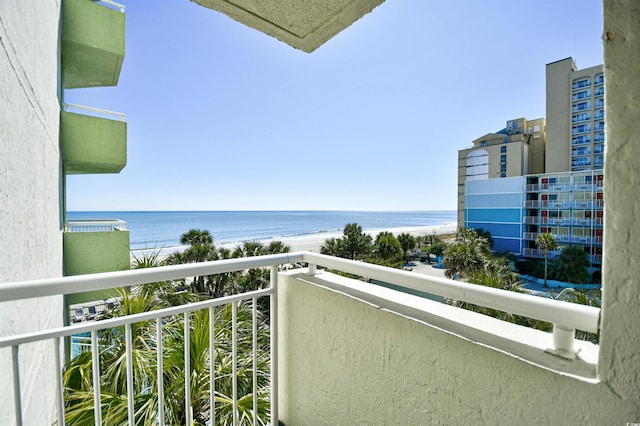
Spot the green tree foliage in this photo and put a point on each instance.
(467, 254)
(546, 242)
(496, 273)
(78, 386)
(407, 242)
(356, 243)
(571, 266)
(332, 247)
(387, 246)
(486, 235)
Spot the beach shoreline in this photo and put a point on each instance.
(312, 243)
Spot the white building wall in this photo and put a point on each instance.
(30, 192)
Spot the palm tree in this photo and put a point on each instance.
(355, 242)
(201, 250)
(546, 242)
(387, 246)
(467, 254)
(407, 242)
(78, 386)
(196, 237)
(332, 247)
(572, 265)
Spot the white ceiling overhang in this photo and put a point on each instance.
(303, 24)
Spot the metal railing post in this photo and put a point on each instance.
(273, 313)
(17, 403)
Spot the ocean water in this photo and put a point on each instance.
(156, 229)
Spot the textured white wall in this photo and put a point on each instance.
(30, 182)
(346, 362)
(620, 353)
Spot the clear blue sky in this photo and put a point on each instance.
(223, 117)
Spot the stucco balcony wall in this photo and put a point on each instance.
(346, 361)
(92, 144)
(93, 44)
(92, 252)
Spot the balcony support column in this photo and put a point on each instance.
(563, 339)
(312, 269)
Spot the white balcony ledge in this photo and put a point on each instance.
(524, 343)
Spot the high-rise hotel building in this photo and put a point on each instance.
(542, 176)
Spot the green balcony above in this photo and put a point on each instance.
(91, 144)
(95, 246)
(92, 43)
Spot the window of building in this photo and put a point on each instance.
(503, 149)
(483, 143)
(503, 174)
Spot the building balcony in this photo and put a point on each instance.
(91, 144)
(584, 222)
(539, 254)
(581, 95)
(95, 246)
(555, 204)
(532, 203)
(582, 128)
(327, 339)
(93, 43)
(581, 140)
(530, 236)
(580, 152)
(581, 107)
(555, 221)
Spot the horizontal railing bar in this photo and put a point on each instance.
(107, 280)
(114, 4)
(129, 319)
(120, 115)
(570, 315)
(90, 222)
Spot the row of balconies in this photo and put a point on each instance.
(93, 140)
(564, 204)
(564, 186)
(535, 220)
(552, 254)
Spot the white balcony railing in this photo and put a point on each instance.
(566, 317)
(115, 5)
(101, 112)
(95, 225)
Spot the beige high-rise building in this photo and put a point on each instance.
(556, 183)
(575, 117)
(516, 150)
